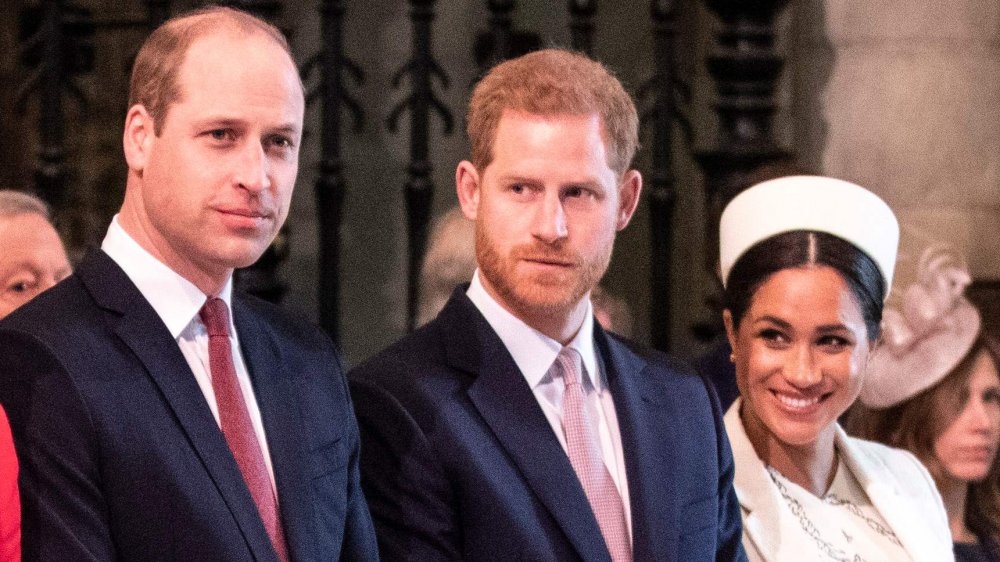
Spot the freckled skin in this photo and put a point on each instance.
(547, 209)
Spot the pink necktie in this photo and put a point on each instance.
(235, 421)
(585, 456)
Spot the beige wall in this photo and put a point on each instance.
(904, 97)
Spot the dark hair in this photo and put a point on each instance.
(800, 248)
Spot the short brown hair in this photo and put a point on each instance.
(916, 424)
(154, 74)
(553, 82)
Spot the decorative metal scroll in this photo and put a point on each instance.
(419, 189)
(57, 46)
(664, 89)
(265, 9)
(746, 69)
(330, 188)
(581, 25)
(502, 41)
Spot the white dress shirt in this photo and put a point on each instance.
(177, 302)
(534, 353)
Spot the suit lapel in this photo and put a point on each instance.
(134, 321)
(282, 421)
(648, 445)
(509, 408)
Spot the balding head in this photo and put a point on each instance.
(154, 82)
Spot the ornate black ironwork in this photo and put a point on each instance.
(57, 45)
(265, 9)
(664, 88)
(746, 69)
(501, 41)
(159, 12)
(501, 29)
(420, 187)
(330, 188)
(581, 24)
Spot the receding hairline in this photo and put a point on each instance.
(222, 22)
(161, 59)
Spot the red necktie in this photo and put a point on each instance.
(235, 421)
(584, 448)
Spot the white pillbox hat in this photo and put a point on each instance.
(817, 203)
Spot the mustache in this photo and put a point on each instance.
(538, 252)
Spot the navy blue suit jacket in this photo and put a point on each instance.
(460, 462)
(121, 457)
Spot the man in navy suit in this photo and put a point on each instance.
(512, 427)
(158, 414)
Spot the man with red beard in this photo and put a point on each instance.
(512, 427)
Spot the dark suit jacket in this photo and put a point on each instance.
(460, 462)
(122, 458)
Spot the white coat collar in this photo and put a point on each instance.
(761, 502)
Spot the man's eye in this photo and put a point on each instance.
(222, 134)
(281, 142)
(19, 287)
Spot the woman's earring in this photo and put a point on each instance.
(732, 357)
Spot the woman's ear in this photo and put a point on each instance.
(727, 319)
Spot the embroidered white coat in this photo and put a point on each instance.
(897, 484)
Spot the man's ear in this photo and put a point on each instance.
(467, 183)
(628, 197)
(137, 140)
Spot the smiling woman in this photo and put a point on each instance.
(806, 262)
(934, 389)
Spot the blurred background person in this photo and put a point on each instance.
(933, 389)
(611, 312)
(806, 263)
(32, 257)
(450, 261)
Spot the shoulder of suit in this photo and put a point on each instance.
(403, 362)
(654, 357)
(281, 320)
(56, 313)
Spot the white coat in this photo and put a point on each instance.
(897, 484)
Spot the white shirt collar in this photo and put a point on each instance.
(533, 351)
(174, 299)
